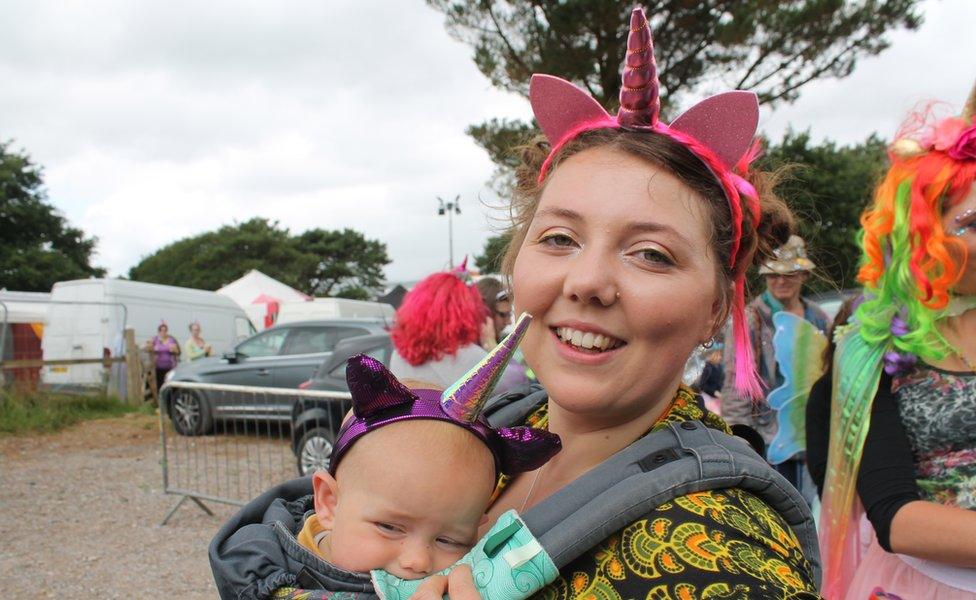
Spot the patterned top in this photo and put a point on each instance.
(938, 409)
(717, 544)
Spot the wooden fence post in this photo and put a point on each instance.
(133, 369)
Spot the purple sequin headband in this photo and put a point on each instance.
(379, 399)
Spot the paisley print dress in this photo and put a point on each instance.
(709, 545)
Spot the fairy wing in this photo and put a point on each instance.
(798, 346)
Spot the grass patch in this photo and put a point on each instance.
(22, 412)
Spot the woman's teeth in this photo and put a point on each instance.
(587, 339)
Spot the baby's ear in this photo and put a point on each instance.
(325, 491)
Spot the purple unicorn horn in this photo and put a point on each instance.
(640, 101)
(466, 398)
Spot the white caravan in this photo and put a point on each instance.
(334, 308)
(86, 319)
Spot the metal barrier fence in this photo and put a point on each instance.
(228, 443)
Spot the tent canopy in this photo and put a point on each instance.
(254, 284)
(23, 307)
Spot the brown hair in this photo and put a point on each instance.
(757, 244)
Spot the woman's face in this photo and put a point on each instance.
(618, 271)
(960, 221)
(163, 330)
(195, 330)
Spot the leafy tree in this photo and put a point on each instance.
(342, 263)
(490, 261)
(828, 187)
(38, 246)
(318, 262)
(210, 260)
(773, 47)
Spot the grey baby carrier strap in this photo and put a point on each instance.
(681, 459)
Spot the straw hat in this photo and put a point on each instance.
(791, 257)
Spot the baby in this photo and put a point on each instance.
(411, 476)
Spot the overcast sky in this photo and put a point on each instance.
(160, 120)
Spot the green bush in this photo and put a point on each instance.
(22, 412)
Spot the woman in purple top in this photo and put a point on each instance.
(166, 351)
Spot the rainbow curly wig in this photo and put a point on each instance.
(909, 263)
(438, 316)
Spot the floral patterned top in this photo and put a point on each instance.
(718, 544)
(938, 409)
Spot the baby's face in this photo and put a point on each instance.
(410, 504)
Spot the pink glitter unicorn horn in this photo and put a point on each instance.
(465, 399)
(640, 101)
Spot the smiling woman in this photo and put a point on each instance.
(631, 240)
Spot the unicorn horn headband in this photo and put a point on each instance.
(379, 399)
(718, 130)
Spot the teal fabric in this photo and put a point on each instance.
(490, 560)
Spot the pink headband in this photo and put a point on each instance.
(718, 130)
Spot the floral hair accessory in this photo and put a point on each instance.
(955, 136)
(719, 131)
(379, 399)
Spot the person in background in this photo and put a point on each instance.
(712, 378)
(495, 297)
(165, 351)
(902, 384)
(196, 347)
(438, 333)
(785, 276)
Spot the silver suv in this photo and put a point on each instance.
(280, 357)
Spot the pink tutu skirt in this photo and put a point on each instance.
(898, 577)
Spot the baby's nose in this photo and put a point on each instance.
(415, 557)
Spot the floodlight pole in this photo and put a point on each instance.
(450, 207)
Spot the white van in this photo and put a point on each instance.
(334, 308)
(87, 317)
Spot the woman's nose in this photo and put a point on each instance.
(590, 279)
(415, 557)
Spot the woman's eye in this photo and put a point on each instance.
(651, 255)
(558, 240)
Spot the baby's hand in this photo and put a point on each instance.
(457, 585)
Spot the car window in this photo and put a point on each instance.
(311, 340)
(379, 353)
(263, 344)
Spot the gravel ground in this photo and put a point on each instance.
(80, 509)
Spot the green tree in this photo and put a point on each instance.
(317, 262)
(210, 260)
(342, 263)
(828, 187)
(38, 247)
(773, 47)
(490, 260)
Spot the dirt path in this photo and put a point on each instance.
(80, 513)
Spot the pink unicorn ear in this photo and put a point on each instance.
(726, 123)
(560, 107)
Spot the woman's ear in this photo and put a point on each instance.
(325, 492)
(721, 308)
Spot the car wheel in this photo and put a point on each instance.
(190, 413)
(315, 450)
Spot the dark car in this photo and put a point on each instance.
(283, 356)
(315, 421)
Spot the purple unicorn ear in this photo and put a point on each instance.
(640, 101)
(562, 108)
(525, 449)
(373, 387)
(726, 123)
(465, 399)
